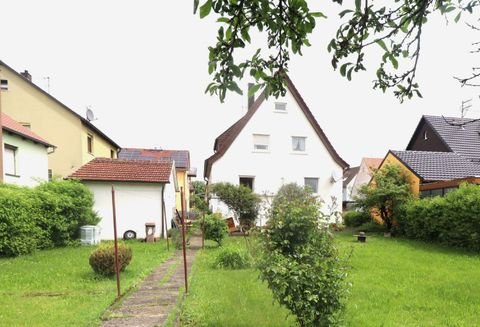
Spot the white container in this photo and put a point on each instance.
(90, 235)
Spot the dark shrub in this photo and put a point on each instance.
(356, 218)
(102, 260)
(233, 258)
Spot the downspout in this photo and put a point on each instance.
(163, 211)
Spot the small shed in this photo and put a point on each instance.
(144, 192)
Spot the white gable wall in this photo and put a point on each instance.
(136, 204)
(31, 161)
(279, 165)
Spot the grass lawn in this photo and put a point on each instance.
(58, 287)
(395, 282)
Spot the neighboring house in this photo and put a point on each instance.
(144, 192)
(277, 141)
(77, 140)
(431, 173)
(25, 154)
(182, 166)
(348, 181)
(364, 175)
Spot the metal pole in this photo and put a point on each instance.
(117, 270)
(182, 199)
(203, 222)
(164, 218)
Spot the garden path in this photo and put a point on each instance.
(153, 300)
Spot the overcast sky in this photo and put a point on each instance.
(142, 68)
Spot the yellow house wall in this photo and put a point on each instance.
(414, 180)
(101, 148)
(183, 182)
(53, 122)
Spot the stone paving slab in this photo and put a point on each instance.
(150, 304)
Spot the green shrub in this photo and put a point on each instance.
(233, 258)
(19, 232)
(452, 220)
(215, 228)
(177, 239)
(102, 259)
(356, 218)
(372, 227)
(299, 261)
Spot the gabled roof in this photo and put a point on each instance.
(83, 120)
(10, 125)
(464, 140)
(437, 166)
(225, 140)
(349, 174)
(105, 169)
(181, 157)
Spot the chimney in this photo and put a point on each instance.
(27, 75)
(251, 98)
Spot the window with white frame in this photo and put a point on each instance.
(281, 106)
(298, 143)
(10, 159)
(312, 183)
(261, 142)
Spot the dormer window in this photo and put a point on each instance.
(281, 106)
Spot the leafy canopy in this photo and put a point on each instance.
(394, 26)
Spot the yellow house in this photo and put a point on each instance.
(182, 167)
(393, 158)
(78, 141)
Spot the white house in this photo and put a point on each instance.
(25, 154)
(144, 193)
(365, 173)
(277, 141)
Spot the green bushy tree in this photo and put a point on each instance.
(241, 200)
(388, 190)
(215, 228)
(299, 261)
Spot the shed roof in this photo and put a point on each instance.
(106, 169)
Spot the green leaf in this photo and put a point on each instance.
(344, 12)
(223, 20)
(405, 53)
(457, 18)
(394, 61)
(232, 86)
(343, 69)
(205, 9)
(358, 5)
(318, 14)
(253, 89)
(381, 43)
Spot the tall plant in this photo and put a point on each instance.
(299, 261)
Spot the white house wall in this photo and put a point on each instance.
(136, 204)
(31, 161)
(279, 165)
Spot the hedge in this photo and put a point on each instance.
(453, 220)
(43, 217)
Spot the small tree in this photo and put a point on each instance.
(197, 200)
(299, 261)
(389, 188)
(241, 200)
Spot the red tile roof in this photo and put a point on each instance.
(105, 169)
(14, 127)
(223, 142)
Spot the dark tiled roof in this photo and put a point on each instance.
(83, 120)
(13, 126)
(181, 157)
(464, 140)
(349, 174)
(223, 142)
(437, 166)
(104, 169)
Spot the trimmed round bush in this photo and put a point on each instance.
(356, 218)
(102, 260)
(215, 228)
(233, 258)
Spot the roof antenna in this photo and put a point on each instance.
(48, 83)
(89, 114)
